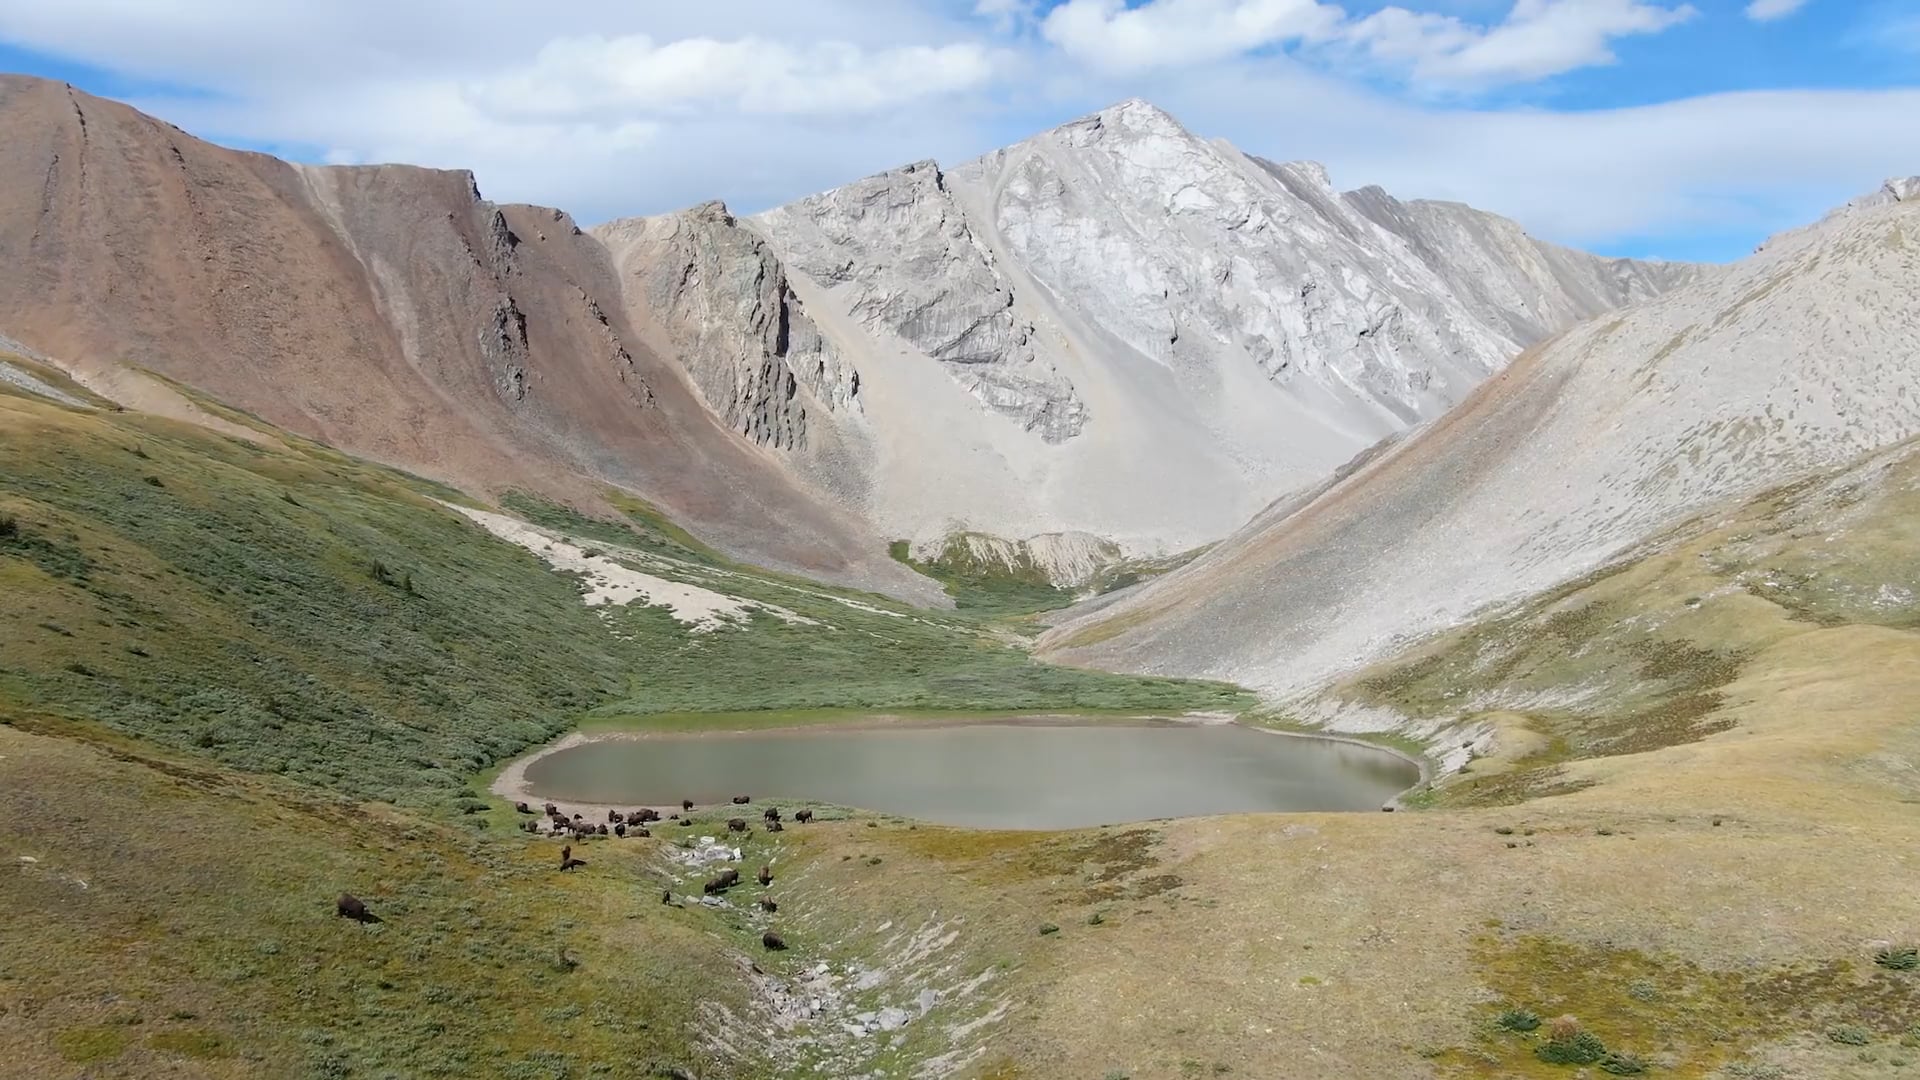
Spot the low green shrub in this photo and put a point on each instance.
(1520, 1020)
(1849, 1035)
(1580, 1048)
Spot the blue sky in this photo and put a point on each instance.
(1641, 127)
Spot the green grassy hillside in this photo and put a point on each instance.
(239, 677)
(284, 609)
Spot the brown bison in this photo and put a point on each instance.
(768, 904)
(726, 879)
(737, 824)
(352, 907)
(803, 816)
(686, 804)
(567, 861)
(614, 817)
(644, 815)
(602, 830)
(765, 876)
(620, 829)
(771, 813)
(774, 942)
(522, 808)
(742, 800)
(774, 826)
(644, 834)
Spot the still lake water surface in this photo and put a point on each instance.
(1005, 775)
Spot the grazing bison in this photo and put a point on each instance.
(774, 942)
(738, 824)
(352, 907)
(567, 861)
(552, 810)
(644, 815)
(742, 800)
(803, 816)
(614, 817)
(602, 830)
(727, 879)
(644, 834)
(768, 904)
(771, 813)
(522, 808)
(774, 826)
(686, 804)
(765, 876)
(620, 829)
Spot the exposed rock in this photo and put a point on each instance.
(900, 255)
(1182, 332)
(1802, 357)
(723, 300)
(389, 311)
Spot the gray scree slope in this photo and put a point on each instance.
(1804, 356)
(1120, 329)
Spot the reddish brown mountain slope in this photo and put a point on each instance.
(389, 310)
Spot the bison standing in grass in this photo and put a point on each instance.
(726, 880)
(803, 816)
(774, 942)
(742, 800)
(736, 824)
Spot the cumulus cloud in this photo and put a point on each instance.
(1539, 38)
(1769, 10)
(594, 76)
(609, 108)
(1163, 33)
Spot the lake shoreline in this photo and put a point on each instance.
(512, 786)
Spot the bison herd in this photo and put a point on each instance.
(552, 821)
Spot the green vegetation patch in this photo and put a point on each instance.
(1613, 1006)
(987, 587)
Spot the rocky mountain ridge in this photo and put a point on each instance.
(1115, 329)
(1177, 332)
(1803, 357)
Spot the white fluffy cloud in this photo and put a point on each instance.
(581, 77)
(1537, 39)
(1769, 10)
(1163, 33)
(610, 107)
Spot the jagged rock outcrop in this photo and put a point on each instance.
(1185, 332)
(901, 257)
(723, 301)
(1804, 357)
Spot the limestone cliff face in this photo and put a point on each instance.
(723, 302)
(1181, 332)
(899, 253)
